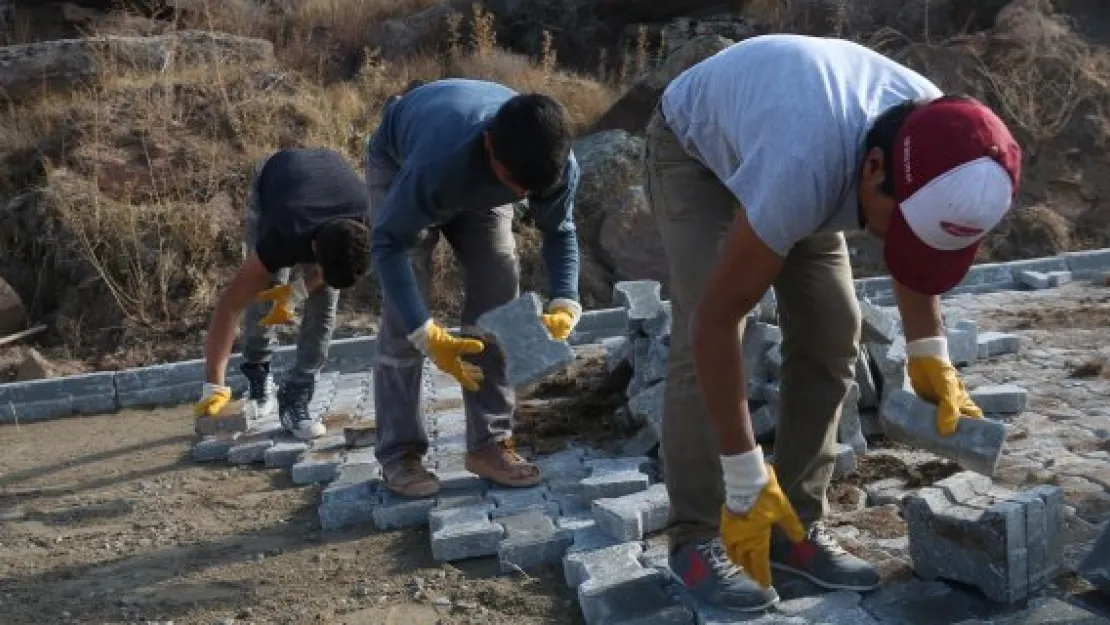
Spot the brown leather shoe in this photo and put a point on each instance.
(500, 464)
(408, 477)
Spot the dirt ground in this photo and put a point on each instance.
(107, 520)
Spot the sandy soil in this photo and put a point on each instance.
(106, 519)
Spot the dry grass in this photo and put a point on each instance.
(140, 177)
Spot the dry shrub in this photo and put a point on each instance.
(133, 188)
(1029, 232)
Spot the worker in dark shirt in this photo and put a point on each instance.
(307, 209)
(450, 159)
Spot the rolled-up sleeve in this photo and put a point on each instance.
(554, 215)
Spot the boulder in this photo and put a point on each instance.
(411, 35)
(633, 110)
(629, 241)
(27, 69)
(610, 161)
(13, 315)
(35, 366)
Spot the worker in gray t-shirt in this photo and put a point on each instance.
(758, 158)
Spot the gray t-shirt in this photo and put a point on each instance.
(781, 120)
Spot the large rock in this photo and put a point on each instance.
(13, 315)
(629, 241)
(27, 69)
(611, 162)
(414, 34)
(677, 33)
(633, 110)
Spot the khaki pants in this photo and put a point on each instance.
(820, 321)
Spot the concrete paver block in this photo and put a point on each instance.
(631, 517)
(532, 539)
(976, 445)
(1001, 398)
(529, 350)
(967, 530)
(994, 344)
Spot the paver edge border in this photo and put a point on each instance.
(160, 385)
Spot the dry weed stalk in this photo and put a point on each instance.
(483, 34)
(547, 53)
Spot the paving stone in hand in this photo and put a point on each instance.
(529, 350)
(976, 445)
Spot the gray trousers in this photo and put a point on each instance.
(485, 248)
(317, 320)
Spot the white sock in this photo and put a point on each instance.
(745, 475)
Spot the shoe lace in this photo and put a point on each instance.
(821, 535)
(714, 553)
(258, 383)
(296, 402)
(508, 448)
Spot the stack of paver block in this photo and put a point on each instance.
(881, 378)
(1006, 543)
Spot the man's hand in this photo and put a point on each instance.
(562, 315)
(213, 398)
(285, 298)
(934, 379)
(932, 375)
(446, 352)
(754, 503)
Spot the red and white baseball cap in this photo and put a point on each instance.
(956, 172)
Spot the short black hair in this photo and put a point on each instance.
(343, 252)
(885, 130)
(531, 137)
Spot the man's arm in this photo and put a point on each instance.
(405, 212)
(921, 314)
(554, 213)
(746, 267)
(251, 278)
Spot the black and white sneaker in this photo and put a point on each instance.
(261, 399)
(293, 412)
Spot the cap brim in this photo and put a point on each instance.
(922, 268)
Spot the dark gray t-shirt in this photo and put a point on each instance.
(782, 121)
(300, 190)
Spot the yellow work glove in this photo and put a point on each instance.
(562, 315)
(446, 352)
(285, 298)
(934, 379)
(213, 398)
(754, 504)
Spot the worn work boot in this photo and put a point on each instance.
(820, 559)
(407, 477)
(708, 574)
(261, 390)
(500, 464)
(293, 399)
